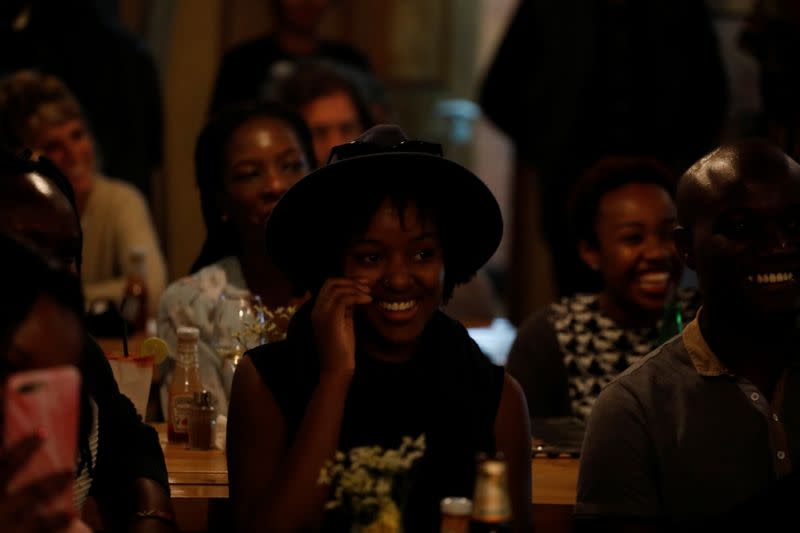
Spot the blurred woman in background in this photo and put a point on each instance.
(38, 112)
(246, 157)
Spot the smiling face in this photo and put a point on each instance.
(70, 147)
(745, 241)
(401, 259)
(634, 252)
(263, 159)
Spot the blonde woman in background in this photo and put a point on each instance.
(38, 111)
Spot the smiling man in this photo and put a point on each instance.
(710, 420)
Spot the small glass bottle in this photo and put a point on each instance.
(672, 319)
(185, 382)
(134, 299)
(202, 420)
(456, 513)
(491, 507)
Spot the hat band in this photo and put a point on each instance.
(362, 148)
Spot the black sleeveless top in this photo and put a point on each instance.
(449, 391)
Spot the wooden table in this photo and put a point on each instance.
(554, 482)
(198, 482)
(555, 479)
(194, 473)
(204, 474)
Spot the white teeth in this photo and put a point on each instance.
(654, 280)
(654, 277)
(772, 277)
(397, 306)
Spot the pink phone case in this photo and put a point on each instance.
(45, 401)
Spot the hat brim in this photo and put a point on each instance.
(318, 206)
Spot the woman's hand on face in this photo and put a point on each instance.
(332, 320)
(20, 511)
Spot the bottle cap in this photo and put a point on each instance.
(456, 506)
(492, 467)
(188, 333)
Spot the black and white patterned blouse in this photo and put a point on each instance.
(565, 355)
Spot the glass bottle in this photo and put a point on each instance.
(491, 505)
(671, 320)
(134, 299)
(185, 382)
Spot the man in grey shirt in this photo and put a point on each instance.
(709, 422)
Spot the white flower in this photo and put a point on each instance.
(364, 478)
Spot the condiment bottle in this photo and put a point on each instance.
(202, 420)
(185, 382)
(491, 507)
(134, 300)
(456, 513)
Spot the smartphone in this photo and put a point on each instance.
(46, 401)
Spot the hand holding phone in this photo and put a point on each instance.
(39, 449)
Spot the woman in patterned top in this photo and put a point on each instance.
(622, 214)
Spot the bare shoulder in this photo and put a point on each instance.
(512, 398)
(512, 424)
(248, 385)
(253, 416)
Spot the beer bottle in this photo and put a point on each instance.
(134, 300)
(491, 505)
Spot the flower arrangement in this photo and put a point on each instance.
(370, 484)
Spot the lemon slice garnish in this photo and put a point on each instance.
(156, 348)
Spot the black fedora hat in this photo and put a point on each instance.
(308, 224)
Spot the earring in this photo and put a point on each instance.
(385, 282)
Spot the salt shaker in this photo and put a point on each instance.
(202, 419)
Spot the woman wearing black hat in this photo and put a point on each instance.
(371, 358)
